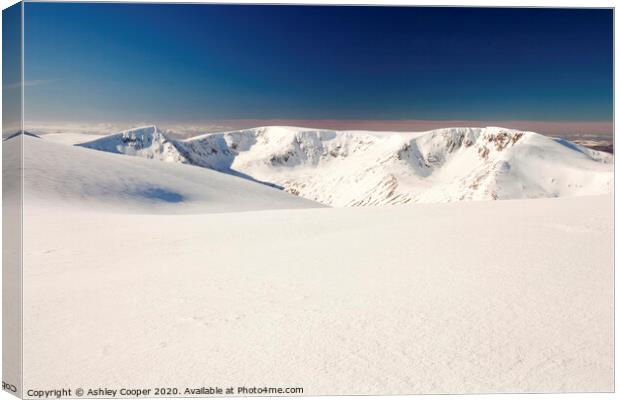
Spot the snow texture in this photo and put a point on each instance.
(75, 177)
(143, 273)
(506, 296)
(353, 168)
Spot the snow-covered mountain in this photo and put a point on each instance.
(358, 168)
(56, 174)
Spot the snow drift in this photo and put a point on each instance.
(74, 177)
(358, 168)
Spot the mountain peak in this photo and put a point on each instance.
(146, 141)
(20, 133)
(143, 130)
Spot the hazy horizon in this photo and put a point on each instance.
(553, 128)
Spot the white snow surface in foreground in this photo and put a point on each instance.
(358, 168)
(510, 296)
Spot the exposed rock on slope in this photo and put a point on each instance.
(358, 168)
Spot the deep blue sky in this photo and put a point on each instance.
(11, 68)
(113, 62)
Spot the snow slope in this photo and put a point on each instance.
(124, 288)
(76, 177)
(356, 168)
(510, 296)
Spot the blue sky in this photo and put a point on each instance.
(11, 68)
(154, 62)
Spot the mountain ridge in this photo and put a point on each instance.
(360, 168)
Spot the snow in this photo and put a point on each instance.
(144, 273)
(76, 177)
(357, 168)
(71, 138)
(508, 296)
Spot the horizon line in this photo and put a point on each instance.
(545, 127)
